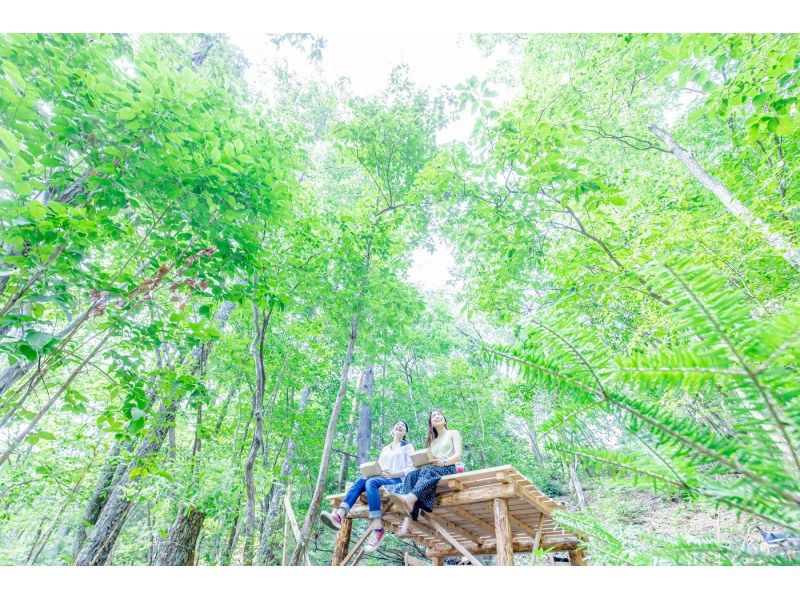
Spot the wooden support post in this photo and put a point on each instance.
(577, 557)
(287, 505)
(342, 541)
(355, 548)
(537, 539)
(437, 561)
(286, 531)
(357, 560)
(502, 527)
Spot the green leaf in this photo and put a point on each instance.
(39, 340)
(10, 141)
(785, 126)
(37, 210)
(126, 114)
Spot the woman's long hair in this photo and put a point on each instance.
(432, 433)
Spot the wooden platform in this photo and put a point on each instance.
(489, 511)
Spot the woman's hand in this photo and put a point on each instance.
(438, 462)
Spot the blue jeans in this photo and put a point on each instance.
(371, 486)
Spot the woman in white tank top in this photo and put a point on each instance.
(395, 463)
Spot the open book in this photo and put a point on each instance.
(370, 469)
(422, 457)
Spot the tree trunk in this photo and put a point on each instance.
(109, 523)
(319, 489)
(266, 554)
(364, 437)
(576, 484)
(112, 470)
(68, 501)
(260, 323)
(537, 453)
(348, 440)
(232, 538)
(35, 540)
(178, 548)
(777, 241)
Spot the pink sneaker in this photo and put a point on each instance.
(332, 520)
(374, 540)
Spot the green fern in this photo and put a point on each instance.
(714, 346)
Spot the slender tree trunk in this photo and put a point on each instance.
(260, 323)
(227, 557)
(56, 520)
(537, 453)
(576, 484)
(35, 540)
(266, 555)
(111, 472)
(348, 440)
(319, 489)
(224, 410)
(109, 523)
(777, 241)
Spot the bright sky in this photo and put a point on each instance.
(366, 60)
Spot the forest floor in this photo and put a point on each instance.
(626, 509)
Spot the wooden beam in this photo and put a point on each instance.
(342, 542)
(521, 525)
(416, 526)
(437, 561)
(457, 529)
(478, 474)
(472, 518)
(455, 543)
(455, 485)
(361, 540)
(357, 546)
(537, 539)
(287, 505)
(286, 531)
(502, 526)
(524, 492)
(519, 546)
(473, 495)
(453, 499)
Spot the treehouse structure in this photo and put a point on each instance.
(490, 511)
